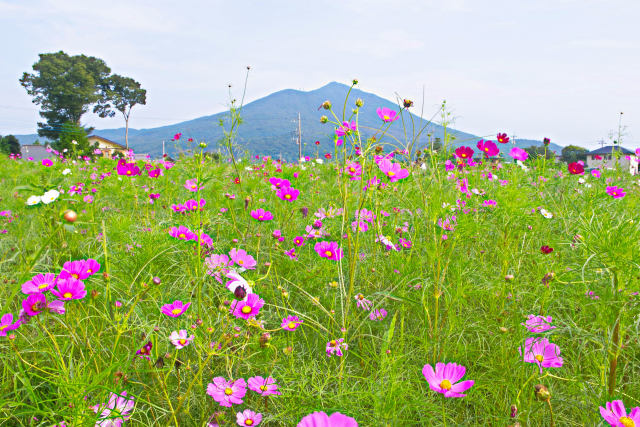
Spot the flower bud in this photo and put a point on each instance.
(324, 119)
(156, 280)
(359, 102)
(509, 277)
(70, 216)
(203, 144)
(542, 392)
(407, 103)
(546, 141)
(514, 411)
(355, 82)
(264, 339)
(326, 105)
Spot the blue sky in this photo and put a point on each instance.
(558, 68)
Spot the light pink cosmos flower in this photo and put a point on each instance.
(378, 314)
(320, 419)
(616, 192)
(39, 283)
(362, 302)
(328, 250)
(387, 114)
(538, 324)
(7, 324)
(288, 194)
(519, 154)
(246, 309)
(541, 352)
(336, 347)
(227, 393)
(248, 418)
(191, 185)
(68, 289)
(116, 411)
(616, 415)
(346, 128)
(261, 215)
(216, 262)
(596, 173)
(354, 170)
(242, 259)
(291, 323)
(394, 171)
(264, 386)
(444, 378)
(175, 309)
(180, 339)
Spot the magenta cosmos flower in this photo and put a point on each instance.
(541, 352)
(261, 215)
(47, 162)
(291, 323)
(180, 339)
(616, 415)
(127, 169)
(249, 308)
(488, 148)
(191, 185)
(242, 259)
(320, 419)
(288, 194)
(39, 283)
(7, 324)
(175, 309)
(145, 351)
(538, 324)
(264, 386)
(354, 169)
(248, 418)
(278, 183)
(616, 192)
(34, 304)
(68, 289)
(444, 378)
(116, 411)
(519, 154)
(81, 269)
(227, 393)
(182, 233)
(387, 114)
(393, 170)
(336, 347)
(328, 250)
(464, 152)
(346, 128)
(502, 138)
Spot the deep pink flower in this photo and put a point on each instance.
(227, 393)
(354, 170)
(278, 183)
(127, 169)
(546, 249)
(616, 192)
(182, 233)
(39, 283)
(538, 324)
(298, 241)
(34, 304)
(69, 288)
(175, 309)
(288, 194)
(47, 162)
(444, 378)
(180, 339)
(145, 351)
(464, 152)
(248, 418)
(291, 323)
(264, 386)
(346, 128)
(155, 173)
(387, 114)
(246, 309)
(488, 148)
(177, 136)
(576, 168)
(336, 347)
(191, 185)
(502, 138)
(393, 170)
(320, 419)
(261, 215)
(80, 269)
(328, 250)
(242, 259)
(7, 324)
(541, 352)
(596, 173)
(519, 154)
(616, 415)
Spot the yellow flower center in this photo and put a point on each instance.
(193, 187)
(352, 169)
(181, 235)
(539, 358)
(386, 117)
(176, 311)
(263, 387)
(332, 343)
(67, 295)
(3, 327)
(240, 261)
(182, 341)
(228, 391)
(261, 216)
(128, 172)
(391, 173)
(248, 422)
(328, 253)
(44, 285)
(246, 309)
(90, 271)
(75, 276)
(445, 385)
(286, 196)
(291, 325)
(627, 422)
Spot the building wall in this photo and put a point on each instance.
(608, 161)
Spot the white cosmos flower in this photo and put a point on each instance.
(545, 213)
(319, 161)
(50, 196)
(66, 171)
(581, 181)
(33, 200)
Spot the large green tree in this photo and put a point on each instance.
(535, 151)
(573, 153)
(120, 94)
(64, 87)
(9, 145)
(73, 141)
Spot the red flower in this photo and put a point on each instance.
(502, 138)
(546, 250)
(190, 140)
(598, 157)
(177, 136)
(317, 142)
(327, 156)
(236, 180)
(576, 168)
(464, 152)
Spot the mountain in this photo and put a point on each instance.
(270, 124)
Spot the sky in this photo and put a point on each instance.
(561, 69)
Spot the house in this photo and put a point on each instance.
(36, 152)
(108, 147)
(605, 157)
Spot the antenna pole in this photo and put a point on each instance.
(299, 138)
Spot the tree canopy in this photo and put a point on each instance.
(573, 153)
(535, 151)
(9, 145)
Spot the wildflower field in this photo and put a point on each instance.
(379, 286)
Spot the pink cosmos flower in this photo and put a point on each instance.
(180, 339)
(145, 351)
(264, 386)
(278, 183)
(68, 289)
(298, 241)
(378, 314)
(488, 148)
(502, 138)
(464, 152)
(288, 194)
(248, 418)
(541, 352)
(616, 192)
(489, 203)
(182, 233)
(155, 173)
(191, 185)
(242, 258)
(346, 128)
(362, 302)
(393, 170)
(519, 154)
(127, 169)
(47, 162)
(80, 270)
(116, 411)
(328, 250)
(444, 378)
(354, 170)
(175, 309)
(216, 262)
(320, 419)
(249, 308)
(291, 323)
(538, 324)
(261, 215)
(227, 393)
(387, 114)
(616, 415)
(596, 173)
(34, 304)
(39, 283)
(449, 166)
(7, 324)
(177, 136)
(336, 347)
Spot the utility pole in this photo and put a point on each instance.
(601, 142)
(163, 148)
(299, 139)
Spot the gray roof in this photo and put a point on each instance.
(609, 149)
(38, 152)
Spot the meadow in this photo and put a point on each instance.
(253, 291)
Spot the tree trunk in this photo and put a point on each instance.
(126, 132)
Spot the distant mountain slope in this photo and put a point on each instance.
(269, 125)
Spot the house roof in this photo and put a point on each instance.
(609, 149)
(108, 141)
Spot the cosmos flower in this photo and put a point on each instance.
(362, 302)
(387, 114)
(7, 324)
(545, 213)
(264, 386)
(519, 154)
(378, 314)
(248, 418)
(354, 170)
(546, 249)
(394, 171)
(502, 138)
(116, 411)
(541, 352)
(278, 183)
(298, 241)
(328, 250)
(69, 288)
(227, 393)
(464, 152)
(616, 414)
(39, 283)
(336, 347)
(288, 194)
(346, 128)
(145, 351)
(33, 200)
(50, 196)
(320, 419)
(261, 215)
(180, 339)
(246, 309)
(576, 168)
(538, 324)
(242, 259)
(47, 163)
(596, 173)
(488, 148)
(34, 304)
(127, 169)
(616, 192)
(444, 378)
(191, 185)
(182, 233)
(175, 309)
(291, 323)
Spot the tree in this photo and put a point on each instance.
(73, 140)
(9, 145)
(535, 151)
(573, 153)
(122, 94)
(64, 86)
